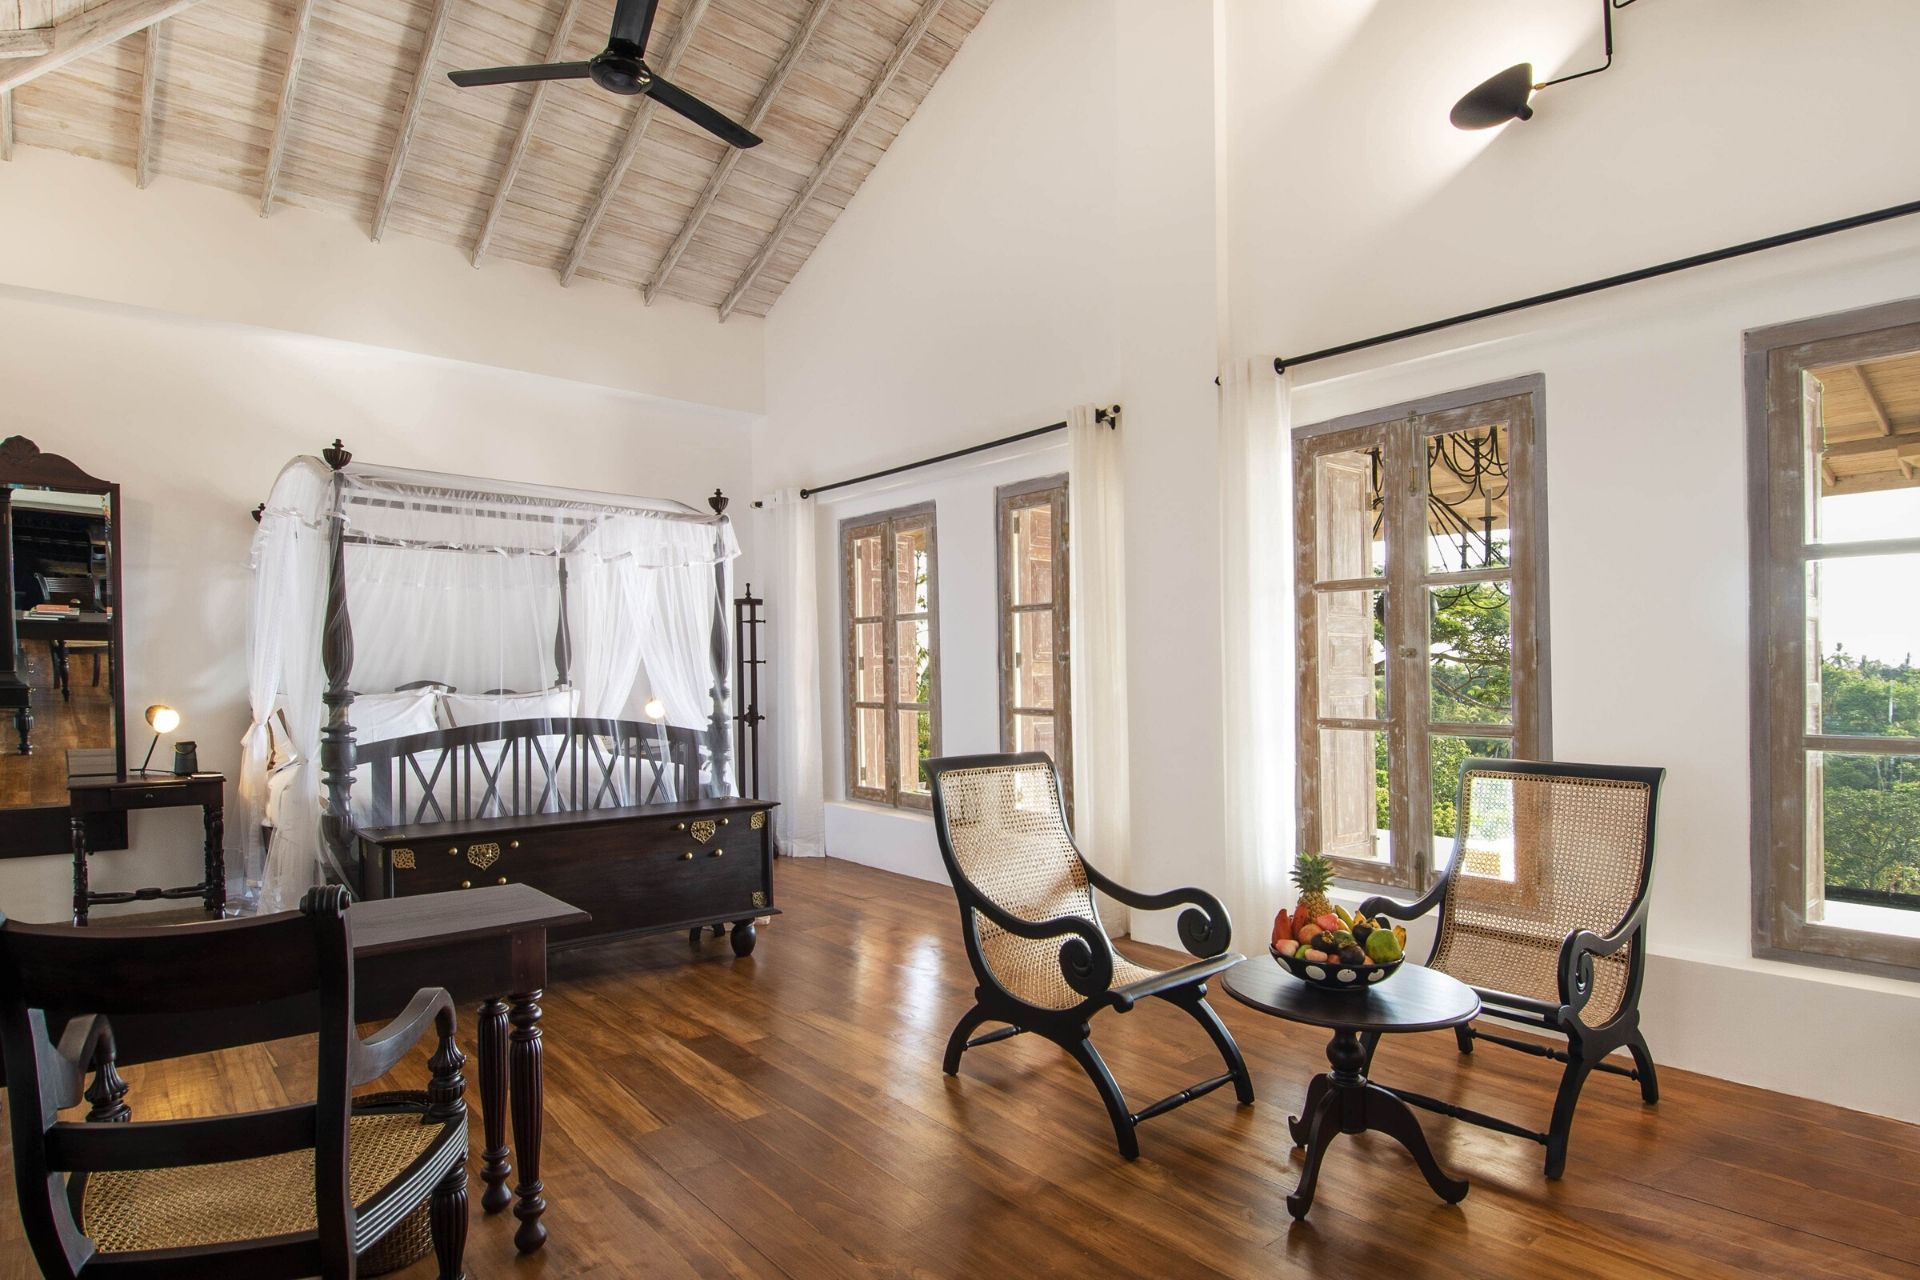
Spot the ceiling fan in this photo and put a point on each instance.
(621, 68)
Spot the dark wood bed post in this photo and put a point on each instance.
(336, 656)
(718, 723)
(562, 636)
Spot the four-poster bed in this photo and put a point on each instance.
(459, 682)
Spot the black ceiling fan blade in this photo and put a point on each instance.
(520, 75)
(633, 21)
(674, 98)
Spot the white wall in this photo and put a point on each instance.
(80, 227)
(1289, 182)
(195, 418)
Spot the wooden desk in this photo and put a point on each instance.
(479, 944)
(89, 795)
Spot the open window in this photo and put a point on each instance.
(1421, 589)
(892, 664)
(1035, 682)
(1834, 406)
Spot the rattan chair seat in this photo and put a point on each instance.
(192, 1206)
(1527, 965)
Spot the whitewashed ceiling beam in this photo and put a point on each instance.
(630, 145)
(80, 35)
(30, 43)
(555, 47)
(6, 126)
(909, 39)
(149, 81)
(283, 112)
(416, 97)
(796, 49)
(1878, 410)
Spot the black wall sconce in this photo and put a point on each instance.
(1507, 96)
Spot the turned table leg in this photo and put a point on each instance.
(107, 1092)
(23, 725)
(494, 1169)
(528, 1115)
(79, 828)
(213, 817)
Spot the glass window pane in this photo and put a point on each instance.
(1489, 845)
(1035, 733)
(1352, 671)
(1862, 451)
(870, 748)
(1349, 540)
(1863, 820)
(869, 662)
(1467, 477)
(916, 745)
(1031, 545)
(1353, 794)
(1033, 659)
(912, 568)
(1863, 629)
(914, 661)
(1470, 653)
(868, 574)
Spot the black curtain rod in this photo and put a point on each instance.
(1109, 416)
(1282, 363)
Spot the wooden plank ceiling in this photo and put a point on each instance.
(344, 106)
(1871, 415)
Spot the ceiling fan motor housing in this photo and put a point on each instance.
(619, 69)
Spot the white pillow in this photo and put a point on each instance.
(482, 708)
(377, 717)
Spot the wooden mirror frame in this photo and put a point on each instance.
(39, 830)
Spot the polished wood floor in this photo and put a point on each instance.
(785, 1116)
(85, 720)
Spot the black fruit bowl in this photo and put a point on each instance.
(1344, 978)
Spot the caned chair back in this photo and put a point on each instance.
(61, 588)
(1543, 850)
(1004, 836)
(55, 975)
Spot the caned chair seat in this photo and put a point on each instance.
(1527, 964)
(395, 1155)
(1016, 871)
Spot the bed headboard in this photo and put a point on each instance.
(521, 767)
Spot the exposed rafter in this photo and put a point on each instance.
(1900, 438)
(83, 33)
(30, 43)
(410, 119)
(283, 112)
(630, 145)
(796, 48)
(6, 126)
(555, 47)
(901, 52)
(149, 81)
(1874, 406)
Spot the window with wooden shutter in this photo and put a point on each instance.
(1035, 680)
(1834, 413)
(891, 597)
(1420, 581)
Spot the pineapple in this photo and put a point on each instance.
(1311, 875)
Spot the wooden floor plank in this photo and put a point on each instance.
(785, 1117)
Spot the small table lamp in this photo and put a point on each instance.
(164, 720)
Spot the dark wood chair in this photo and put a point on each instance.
(1543, 912)
(84, 590)
(1043, 960)
(293, 1191)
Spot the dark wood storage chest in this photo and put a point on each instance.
(640, 869)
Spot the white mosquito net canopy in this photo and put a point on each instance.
(443, 600)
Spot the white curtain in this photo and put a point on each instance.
(787, 522)
(1097, 568)
(1258, 642)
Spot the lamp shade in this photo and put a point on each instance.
(1496, 100)
(163, 718)
(656, 709)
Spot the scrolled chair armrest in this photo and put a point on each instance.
(379, 1052)
(1205, 930)
(1578, 951)
(1380, 904)
(1086, 961)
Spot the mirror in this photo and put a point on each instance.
(61, 709)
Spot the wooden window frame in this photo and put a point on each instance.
(1401, 429)
(888, 525)
(1009, 499)
(1784, 870)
